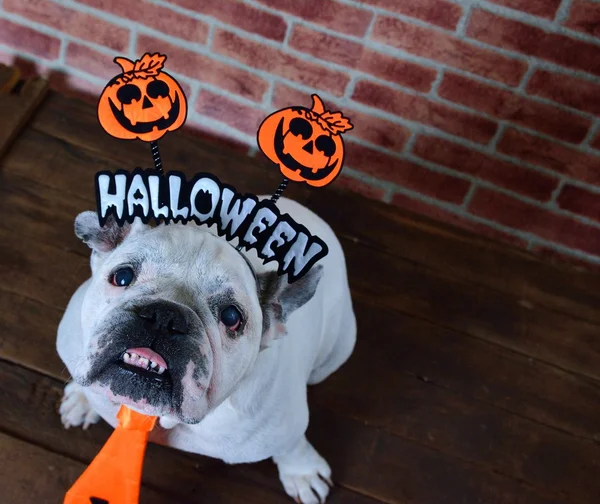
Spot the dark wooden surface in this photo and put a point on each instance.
(18, 101)
(475, 380)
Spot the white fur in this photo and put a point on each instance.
(263, 410)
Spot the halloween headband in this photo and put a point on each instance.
(145, 102)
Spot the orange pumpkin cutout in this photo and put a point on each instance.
(143, 101)
(305, 143)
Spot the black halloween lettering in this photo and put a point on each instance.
(146, 194)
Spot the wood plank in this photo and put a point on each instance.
(567, 342)
(9, 76)
(31, 474)
(556, 338)
(443, 248)
(39, 272)
(410, 350)
(439, 296)
(406, 472)
(19, 317)
(37, 218)
(16, 108)
(40, 213)
(444, 424)
(424, 411)
(453, 409)
(44, 361)
(184, 477)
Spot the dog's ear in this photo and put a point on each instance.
(279, 299)
(105, 238)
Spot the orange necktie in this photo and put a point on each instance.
(115, 474)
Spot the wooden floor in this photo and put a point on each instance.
(475, 380)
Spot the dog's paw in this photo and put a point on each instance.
(75, 410)
(305, 475)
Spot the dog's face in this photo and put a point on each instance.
(175, 317)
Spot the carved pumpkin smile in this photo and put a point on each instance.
(143, 101)
(146, 127)
(305, 143)
(290, 162)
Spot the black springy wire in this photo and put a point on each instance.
(280, 190)
(156, 156)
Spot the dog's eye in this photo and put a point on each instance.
(231, 318)
(122, 277)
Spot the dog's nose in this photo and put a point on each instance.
(165, 317)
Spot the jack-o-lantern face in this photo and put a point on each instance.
(305, 143)
(142, 102)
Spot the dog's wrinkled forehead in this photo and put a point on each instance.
(186, 252)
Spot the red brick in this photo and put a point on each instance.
(275, 61)
(29, 40)
(566, 89)
(542, 152)
(437, 12)
(406, 174)
(75, 87)
(75, 23)
(354, 55)
(510, 106)
(210, 134)
(541, 222)
(160, 18)
(501, 173)
(584, 16)
(516, 36)
(237, 115)
(205, 69)
(91, 61)
(464, 222)
(596, 142)
(356, 186)
(337, 16)
(366, 127)
(423, 110)
(580, 201)
(448, 49)
(239, 14)
(542, 8)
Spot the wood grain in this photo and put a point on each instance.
(475, 377)
(416, 238)
(350, 446)
(509, 319)
(17, 107)
(31, 474)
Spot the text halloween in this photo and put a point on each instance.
(147, 194)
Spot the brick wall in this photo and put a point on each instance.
(484, 114)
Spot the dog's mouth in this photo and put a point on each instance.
(146, 363)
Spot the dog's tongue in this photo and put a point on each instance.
(149, 354)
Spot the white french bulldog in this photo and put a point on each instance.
(176, 323)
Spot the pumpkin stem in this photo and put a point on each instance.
(317, 107)
(125, 64)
